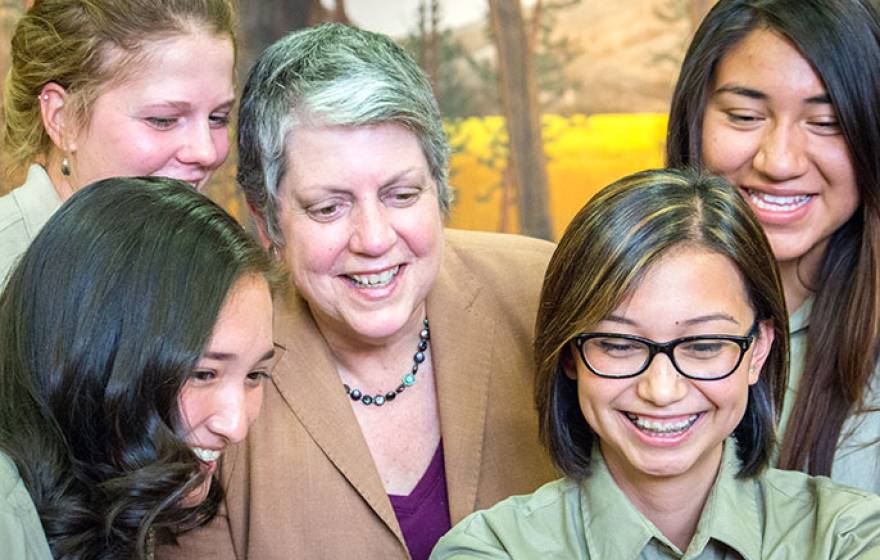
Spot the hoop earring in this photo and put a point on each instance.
(65, 167)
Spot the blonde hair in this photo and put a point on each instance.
(83, 45)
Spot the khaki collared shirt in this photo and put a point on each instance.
(21, 534)
(23, 212)
(776, 515)
(857, 461)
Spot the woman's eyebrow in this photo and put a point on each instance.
(741, 90)
(711, 317)
(821, 98)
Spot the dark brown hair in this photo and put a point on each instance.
(841, 41)
(607, 248)
(101, 324)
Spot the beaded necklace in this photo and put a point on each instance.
(406, 381)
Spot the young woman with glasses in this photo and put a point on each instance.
(661, 345)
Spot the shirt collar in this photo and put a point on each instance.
(607, 511)
(800, 319)
(36, 199)
(731, 513)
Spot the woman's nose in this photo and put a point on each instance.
(373, 232)
(782, 153)
(661, 384)
(230, 417)
(199, 146)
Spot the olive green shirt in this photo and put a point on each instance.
(776, 515)
(857, 461)
(21, 534)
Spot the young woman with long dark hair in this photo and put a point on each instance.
(782, 98)
(135, 335)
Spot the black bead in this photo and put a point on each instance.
(418, 358)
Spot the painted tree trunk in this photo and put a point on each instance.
(519, 99)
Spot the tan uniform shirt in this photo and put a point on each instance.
(857, 461)
(779, 515)
(21, 534)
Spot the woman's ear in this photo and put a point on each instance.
(568, 362)
(56, 117)
(761, 347)
(262, 229)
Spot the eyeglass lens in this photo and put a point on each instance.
(702, 358)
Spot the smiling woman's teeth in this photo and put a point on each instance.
(661, 428)
(375, 280)
(778, 203)
(206, 455)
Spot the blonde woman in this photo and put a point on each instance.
(103, 88)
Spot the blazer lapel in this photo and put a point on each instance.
(462, 336)
(311, 388)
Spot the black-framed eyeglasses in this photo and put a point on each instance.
(703, 357)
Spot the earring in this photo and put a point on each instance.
(65, 167)
(274, 252)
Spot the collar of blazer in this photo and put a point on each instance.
(462, 334)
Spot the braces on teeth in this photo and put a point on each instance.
(659, 427)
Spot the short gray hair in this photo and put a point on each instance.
(331, 75)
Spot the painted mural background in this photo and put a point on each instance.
(545, 101)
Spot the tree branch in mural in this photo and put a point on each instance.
(429, 23)
(463, 86)
(519, 100)
(276, 18)
(671, 11)
(339, 13)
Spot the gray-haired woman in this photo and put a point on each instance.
(403, 401)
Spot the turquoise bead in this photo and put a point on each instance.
(409, 379)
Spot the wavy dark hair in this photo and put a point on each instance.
(101, 324)
(608, 247)
(841, 41)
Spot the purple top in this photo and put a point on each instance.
(424, 514)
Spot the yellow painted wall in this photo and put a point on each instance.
(584, 153)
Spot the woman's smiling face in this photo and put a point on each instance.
(660, 423)
(363, 232)
(169, 119)
(770, 129)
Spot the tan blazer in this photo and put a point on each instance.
(304, 484)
